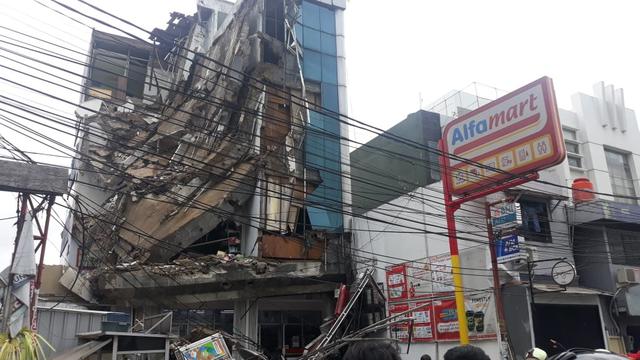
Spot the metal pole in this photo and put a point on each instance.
(450, 209)
(497, 289)
(44, 234)
(7, 303)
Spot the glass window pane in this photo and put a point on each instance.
(535, 221)
(574, 161)
(329, 95)
(311, 15)
(573, 148)
(314, 145)
(107, 69)
(620, 175)
(316, 120)
(273, 317)
(328, 44)
(329, 69)
(311, 38)
(569, 134)
(136, 78)
(312, 65)
(299, 33)
(327, 20)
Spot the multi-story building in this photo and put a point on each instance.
(210, 171)
(402, 230)
(601, 136)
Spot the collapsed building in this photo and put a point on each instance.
(208, 176)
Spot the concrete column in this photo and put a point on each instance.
(245, 319)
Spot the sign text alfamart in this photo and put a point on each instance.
(518, 133)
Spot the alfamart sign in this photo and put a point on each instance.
(518, 133)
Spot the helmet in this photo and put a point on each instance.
(536, 354)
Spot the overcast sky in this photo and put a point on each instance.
(397, 52)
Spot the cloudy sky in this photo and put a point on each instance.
(398, 52)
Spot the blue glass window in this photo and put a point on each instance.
(316, 120)
(327, 20)
(332, 147)
(329, 94)
(329, 69)
(311, 15)
(314, 146)
(317, 35)
(328, 45)
(312, 39)
(312, 65)
(299, 33)
(319, 218)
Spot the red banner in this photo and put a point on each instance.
(446, 319)
(423, 321)
(397, 282)
(399, 331)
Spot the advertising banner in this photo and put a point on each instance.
(397, 282)
(446, 319)
(423, 321)
(509, 248)
(438, 321)
(441, 275)
(419, 279)
(519, 133)
(505, 215)
(400, 331)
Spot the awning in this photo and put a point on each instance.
(577, 290)
(82, 351)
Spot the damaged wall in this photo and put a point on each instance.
(165, 174)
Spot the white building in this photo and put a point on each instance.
(601, 139)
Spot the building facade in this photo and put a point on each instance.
(210, 170)
(595, 237)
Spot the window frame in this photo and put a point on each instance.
(573, 141)
(545, 235)
(628, 179)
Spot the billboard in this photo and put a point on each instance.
(397, 282)
(437, 319)
(518, 133)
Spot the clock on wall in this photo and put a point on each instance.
(563, 273)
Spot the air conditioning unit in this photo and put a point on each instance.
(628, 276)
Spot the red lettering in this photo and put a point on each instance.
(495, 120)
(523, 104)
(531, 99)
(512, 113)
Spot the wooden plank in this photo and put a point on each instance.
(23, 177)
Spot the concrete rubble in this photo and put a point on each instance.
(173, 169)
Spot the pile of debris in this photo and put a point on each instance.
(170, 172)
(191, 265)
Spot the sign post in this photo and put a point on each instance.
(493, 148)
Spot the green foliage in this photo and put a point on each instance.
(27, 345)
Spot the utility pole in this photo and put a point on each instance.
(30, 179)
